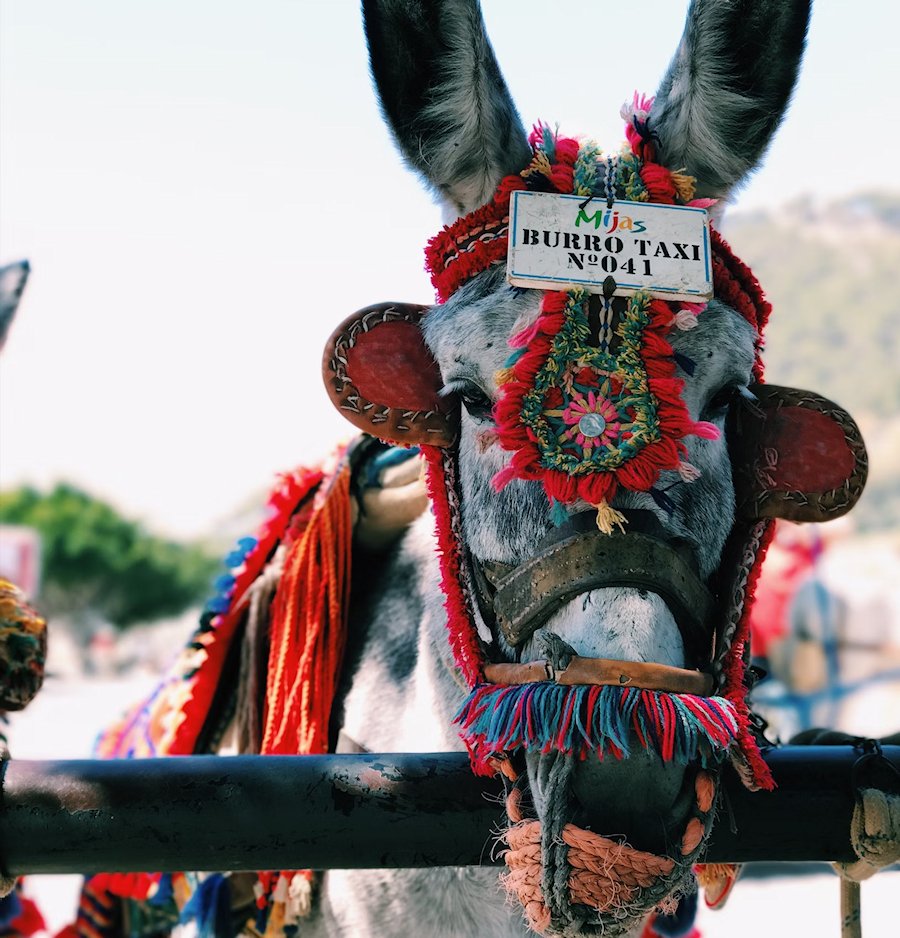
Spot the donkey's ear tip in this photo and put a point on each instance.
(13, 277)
(16, 268)
(728, 87)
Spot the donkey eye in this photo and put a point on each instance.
(719, 403)
(477, 404)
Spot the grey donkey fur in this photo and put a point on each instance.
(445, 100)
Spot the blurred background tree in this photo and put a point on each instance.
(96, 562)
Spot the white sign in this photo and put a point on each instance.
(557, 241)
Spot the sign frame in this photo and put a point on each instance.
(537, 218)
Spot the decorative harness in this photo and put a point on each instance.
(590, 403)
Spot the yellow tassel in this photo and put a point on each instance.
(608, 519)
(540, 164)
(716, 880)
(275, 925)
(181, 890)
(685, 185)
(504, 376)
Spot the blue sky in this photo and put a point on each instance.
(205, 189)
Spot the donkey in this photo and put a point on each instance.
(453, 119)
(597, 528)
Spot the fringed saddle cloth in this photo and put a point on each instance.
(259, 675)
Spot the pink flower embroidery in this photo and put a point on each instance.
(593, 421)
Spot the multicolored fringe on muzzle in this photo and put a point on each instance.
(600, 720)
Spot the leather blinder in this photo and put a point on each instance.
(795, 455)
(381, 376)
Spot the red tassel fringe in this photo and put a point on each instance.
(460, 624)
(308, 627)
(640, 472)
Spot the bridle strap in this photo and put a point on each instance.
(604, 671)
(528, 595)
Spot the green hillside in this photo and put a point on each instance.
(831, 273)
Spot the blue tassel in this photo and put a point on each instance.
(210, 905)
(10, 908)
(164, 892)
(558, 513)
(393, 456)
(548, 142)
(218, 604)
(223, 583)
(514, 356)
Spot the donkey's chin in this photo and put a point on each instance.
(640, 800)
(610, 837)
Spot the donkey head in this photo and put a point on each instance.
(713, 116)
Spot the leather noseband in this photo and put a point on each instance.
(577, 558)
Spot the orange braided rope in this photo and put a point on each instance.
(605, 875)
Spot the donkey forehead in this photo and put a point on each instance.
(468, 335)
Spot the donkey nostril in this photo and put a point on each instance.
(558, 651)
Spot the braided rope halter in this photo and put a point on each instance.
(569, 879)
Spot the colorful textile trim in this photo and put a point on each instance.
(19, 916)
(746, 757)
(99, 914)
(308, 625)
(443, 490)
(169, 722)
(309, 515)
(23, 648)
(544, 717)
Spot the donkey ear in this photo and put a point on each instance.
(381, 376)
(444, 97)
(796, 456)
(728, 88)
(12, 284)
